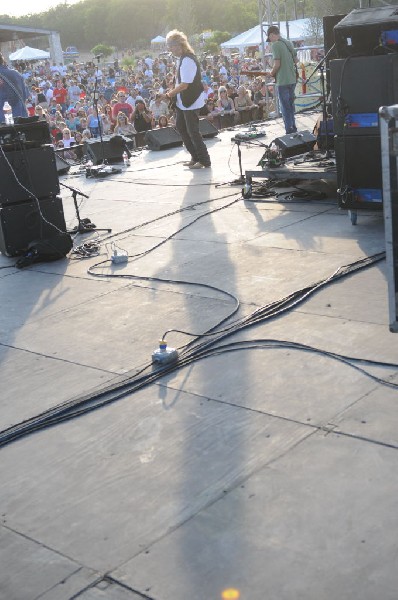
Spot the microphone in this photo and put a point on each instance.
(97, 56)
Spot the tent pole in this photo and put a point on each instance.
(268, 13)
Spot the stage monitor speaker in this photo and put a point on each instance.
(295, 143)
(207, 129)
(358, 164)
(62, 165)
(110, 151)
(360, 86)
(33, 135)
(163, 138)
(21, 224)
(28, 173)
(363, 32)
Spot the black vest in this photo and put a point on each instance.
(195, 88)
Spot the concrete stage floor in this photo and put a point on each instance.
(267, 473)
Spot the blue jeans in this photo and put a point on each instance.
(187, 125)
(286, 100)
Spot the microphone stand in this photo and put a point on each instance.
(83, 225)
(95, 99)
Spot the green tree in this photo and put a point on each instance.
(102, 49)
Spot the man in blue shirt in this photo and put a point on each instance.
(12, 90)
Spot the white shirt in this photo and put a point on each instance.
(130, 100)
(187, 75)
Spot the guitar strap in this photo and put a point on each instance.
(293, 57)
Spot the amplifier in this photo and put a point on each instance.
(295, 143)
(32, 134)
(358, 164)
(360, 85)
(361, 32)
(28, 173)
(21, 224)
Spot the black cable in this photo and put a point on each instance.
(192, 353)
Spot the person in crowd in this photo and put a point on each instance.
(12, 90)
(39, 112)
(93, 122)
(86, 135)
(83, 124)
(207, 90)
(211, 113)
(142, 118)
(74, 92)
(67, 138)
(284, 71)
(78, 137)
(41, 98)
(158, 107)
(163, 121)
(55, 130)
(260, 98)
(123, 126)
(108, 111)
(106, 123)
(244, 105)
(189, 96)
(61, 95)
(72, 121)
(122, 105)
(131, 98)
(48, 92)
(225, 104)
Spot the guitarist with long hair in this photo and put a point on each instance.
(189, 99)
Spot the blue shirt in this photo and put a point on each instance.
(8, 94)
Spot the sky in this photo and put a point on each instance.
(25, 7)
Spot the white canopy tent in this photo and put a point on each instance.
(298, 30)
(158, 42)
(28, 53)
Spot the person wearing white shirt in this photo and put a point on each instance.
(48, 93)
(189, 95)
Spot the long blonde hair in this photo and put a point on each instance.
(180, 38)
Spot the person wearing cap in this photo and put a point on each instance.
(284, 72)
(190, 98)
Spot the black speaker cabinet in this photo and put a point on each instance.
(21, 224)
(295, 143)
(358, 164)
(111, 150)
(163, 138)
(32, 134)
(207, 129)
(362, 32)
(62, 165)
(329, 23)
(360, 85)
(27, 173)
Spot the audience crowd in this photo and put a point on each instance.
(80, 98)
